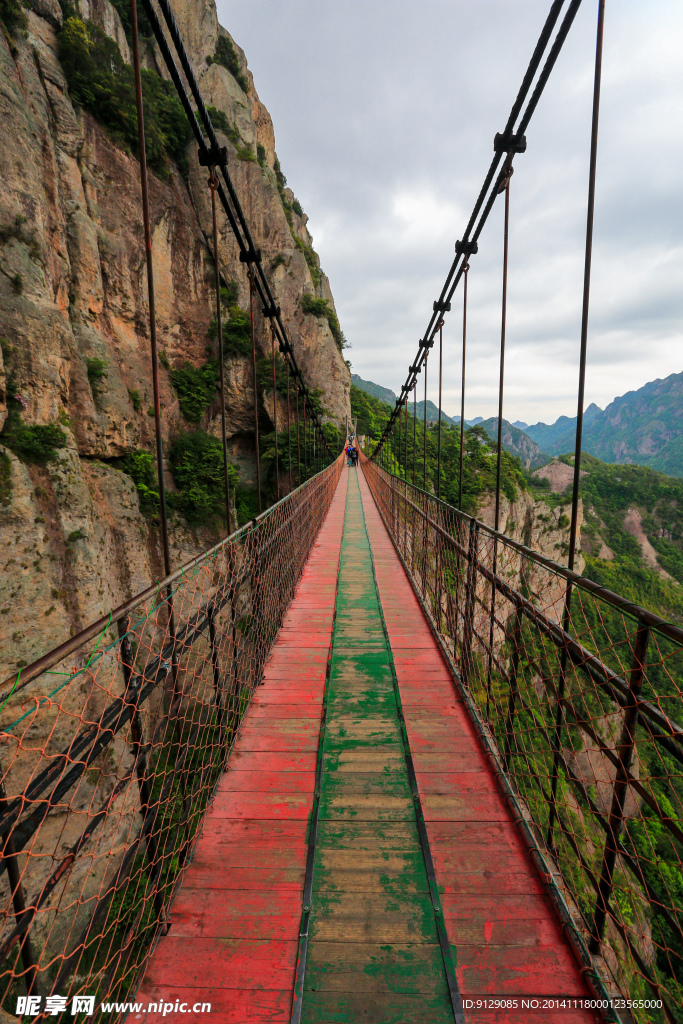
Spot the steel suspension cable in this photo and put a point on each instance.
(503, 325)
(466, 268)
(277, 462)
(414, 429)
(147, 225)
(298, 439)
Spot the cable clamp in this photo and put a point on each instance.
(251, 256)
(464, 246)
(426, 343)
(271, 312)
(213, 156)
(509, 143)
(441, 306)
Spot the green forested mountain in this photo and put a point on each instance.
(376, 390)
(517, 442)
(558, 438)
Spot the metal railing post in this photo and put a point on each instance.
(617, 812)
(470, 593)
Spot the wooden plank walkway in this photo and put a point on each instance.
(374, 952)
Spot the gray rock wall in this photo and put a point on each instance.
(77, 251)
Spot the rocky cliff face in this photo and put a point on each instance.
(73, 297)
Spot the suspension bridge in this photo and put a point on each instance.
(366, 758)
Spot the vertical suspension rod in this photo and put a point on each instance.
(150, 282)
(253, 369)
(424, 429)
(277, 462)
(566, 614)
(501, 379)
(462, 382)
(213, 184)
(438, 457)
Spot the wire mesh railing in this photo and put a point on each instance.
(577, 693)
(111, 748)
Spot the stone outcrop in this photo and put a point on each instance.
(73, 289)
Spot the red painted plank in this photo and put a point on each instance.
(266, 781)
(265, 914)
(266, 710)
(262, 805)
(278, 761)
(208, 875)
(241, 963)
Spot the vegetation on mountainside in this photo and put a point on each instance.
(141, 468)
(309, 253)
(100, 81)
(264, 375)
(196, 461)
(321, 308)
(644, 427)
(34, 443)
(219, 120)
(96, 374)
(13, 19)
(236, 330)
(196, 388)
(226, 56)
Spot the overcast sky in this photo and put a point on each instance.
(384, 115)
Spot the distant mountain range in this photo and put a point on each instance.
(517, 442)
(644, 427)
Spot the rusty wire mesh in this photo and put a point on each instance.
(111, 751)
(580, 693)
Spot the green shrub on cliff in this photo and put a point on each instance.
(226, 56)
(264, 374)
(196, 387)
(101, 82)
(12, 17)
(32, 443)
(236, 332)
(141, 467)
(196, 461)
(219, 120)
(322, 308)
